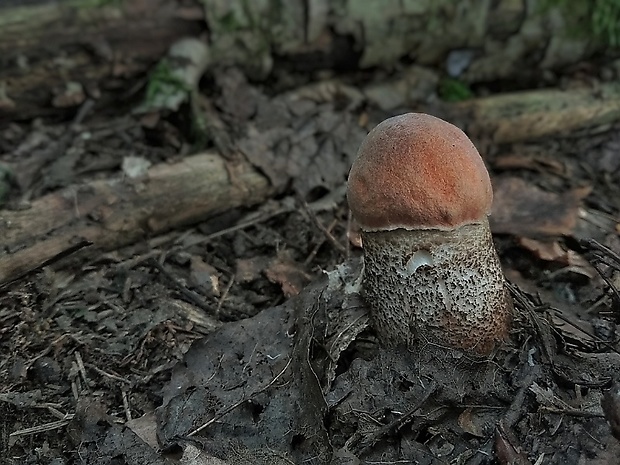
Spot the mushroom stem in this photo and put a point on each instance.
(437, 286)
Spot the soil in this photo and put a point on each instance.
(237, 340)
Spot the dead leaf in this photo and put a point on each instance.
(204, 275)
(259, 147)
(22, 399)
(507, 453)
(523, 209)
(238, 99)
(326, 91)
(572, 327)
(193, 455)
(607, 457)
(62, 170)
(288, 274)
(145, 428)
(150, 120)
(292, 138)
(595, 224)
(354, 234)
(552, 251)
(477, 421)
(545, 250)
(6, 103)
(250, 269)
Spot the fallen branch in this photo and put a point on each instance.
(114, 213)
(520, 116)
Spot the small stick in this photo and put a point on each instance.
(74, 389)
(316, 248)
(42, 428)
(126, 405)
(225, 294)
(586, 332)
(315, 220)
(51, 408)
(237, 227)
(601, 253)
(81, 368)
(572, 412)
(395, 426)
(106, 374)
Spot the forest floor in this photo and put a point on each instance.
(100, 352)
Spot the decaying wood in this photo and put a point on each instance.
(113, 213)
(529, 115)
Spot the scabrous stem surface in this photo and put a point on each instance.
(445, 287)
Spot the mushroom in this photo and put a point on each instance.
(421, 195)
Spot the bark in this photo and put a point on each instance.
(114, 213)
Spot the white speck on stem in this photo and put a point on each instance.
(418, 259)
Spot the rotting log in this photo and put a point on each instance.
(530, 115)
(114, 213)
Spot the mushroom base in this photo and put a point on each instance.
(440, 287)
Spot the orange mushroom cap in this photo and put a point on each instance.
(416, 171)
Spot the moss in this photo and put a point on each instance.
(454, 90)
(163, 81)
(599, 19)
